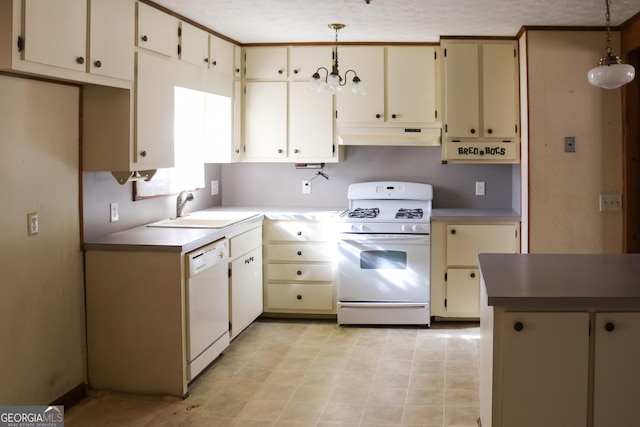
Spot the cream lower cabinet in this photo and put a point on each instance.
(300, 267)
(245, 280)
(455, 277)
(559, 368)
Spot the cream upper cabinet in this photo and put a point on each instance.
(157, 31)
(194, 45)
(304, 61)
(265, 120)
(55, 33)
(481, 101)
(111, 52)
(310, 123)
(411, 84)
(368, 62)
(222, 56)
(266, 63)
(237, 62)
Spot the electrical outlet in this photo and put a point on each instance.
(306, 187)
(214, 188)
(479, 188)
(33, 225)
(610, 202)
(114, 214)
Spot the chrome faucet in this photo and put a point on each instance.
(181, 202)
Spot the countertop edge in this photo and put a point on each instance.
(462, 214)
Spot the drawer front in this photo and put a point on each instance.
(300, 252)
(298, 231)
(465, 242)
(245, 242)
(300, 272)
(293, 296)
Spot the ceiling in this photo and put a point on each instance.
(288, 21)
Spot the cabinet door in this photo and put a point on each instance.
(411, 84)
(55, 33)
(246, 290)
(310, 123)
(368, 62)
(265, 120)
(304, 61)
(111, 52)
(218, 126)
(157, 31)
(237, 61)
(266, 63)
(154, 112)
(236, 154)
(616, 370)
(465, 242)
(222, 56)
(545, 369)
(463, 291)
(500, 90)
(461, 90)
(298, 297)
(194, 45)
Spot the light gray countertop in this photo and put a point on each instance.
(474, 215)
(571, 280)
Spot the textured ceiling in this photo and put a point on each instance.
(273, 21)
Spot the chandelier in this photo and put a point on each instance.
(610, 73)
(333, 82)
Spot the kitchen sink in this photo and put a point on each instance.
(204, 219)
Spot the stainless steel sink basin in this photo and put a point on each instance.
(204, 220)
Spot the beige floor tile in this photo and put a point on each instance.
(461, 415)
(383, 414)
(262, 410)
(342, 413)
(312, 393)
(423, 415)
(302, 411)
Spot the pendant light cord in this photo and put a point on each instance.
(609, 49)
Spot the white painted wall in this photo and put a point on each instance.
(41, 278)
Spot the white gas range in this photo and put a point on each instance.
(385, 256)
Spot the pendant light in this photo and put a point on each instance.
(610, 73)
(333, 82)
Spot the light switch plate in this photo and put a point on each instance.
(479, 188)
(215, 188)
(114, 214)
(610, 202)
(306, 187)
(33, 224)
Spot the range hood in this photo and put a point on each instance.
(393, 136)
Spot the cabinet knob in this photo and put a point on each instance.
(280, 71)
(237, 70)
(143, 153)
(453, 231)
(207, 60)
(144, 38)
(473, 275)
(299, 233)
(280, 151)
(489, 131)
(296, 151)
(97, 64)
(518, 326)
(609, 326)
(298, 296)
(299, 253)
(214, 63)
(378, 116)
(393, 116)
(237, 151)
(296, 71)
(472, 131)
(299, 273)
(80, 60)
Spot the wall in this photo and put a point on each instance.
(41, 276)
(275, 184)
(100, 189)
(564, 187)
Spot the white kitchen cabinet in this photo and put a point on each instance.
(455, 278)
(304, 61)
(268, 63)
(193, 45)
(222, 56)
(66, 40)
(616, 369)
(245, 279)
(480, 100)
(310, 124)
(265, 120)
(157, 31)
(237, 62)
(300, 267)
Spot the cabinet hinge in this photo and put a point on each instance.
(589, 327)
(230, 326)
(20, 43)
(445, 53)
(445, 277)
(229, 272)
(435, 55)
(445, 303)
(516, 234)
(333, 148)
(436, 114)
(179, 31)
(516, 125)
(446, 127)
(336, 114)
(179, 49)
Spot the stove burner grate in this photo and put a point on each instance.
(409, 213)
(364, 213)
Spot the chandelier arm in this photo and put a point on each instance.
(345, 77)
(318, 73)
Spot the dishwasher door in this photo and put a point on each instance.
(207, 305)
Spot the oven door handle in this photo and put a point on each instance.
(372, 238)
(382, 304)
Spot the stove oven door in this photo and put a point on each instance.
(383, 274)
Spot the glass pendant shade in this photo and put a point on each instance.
(611, 76)
(333, 83)
(315, 84)
(357, 87)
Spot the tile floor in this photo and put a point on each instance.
(292, 373)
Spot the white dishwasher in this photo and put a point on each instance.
(207, 305)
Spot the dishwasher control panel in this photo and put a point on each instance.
(207, 256)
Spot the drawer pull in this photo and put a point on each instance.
(518, 326)
(473, 275)
(453, 231)
(299, 253)
(609, 326)
(299, 297)
(299, 233)
(299, 273)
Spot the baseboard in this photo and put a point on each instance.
(72, 397)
